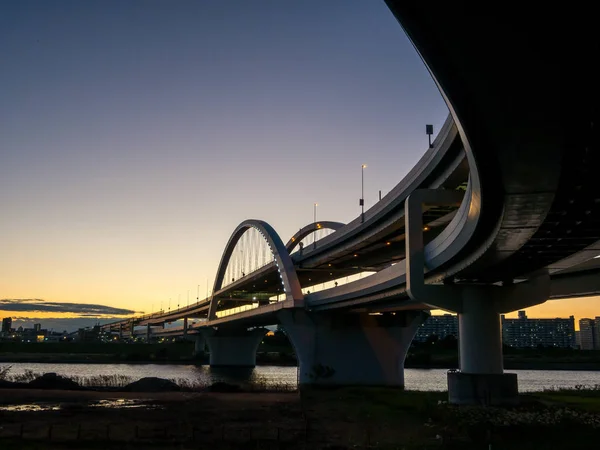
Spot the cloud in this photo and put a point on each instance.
(39, 305)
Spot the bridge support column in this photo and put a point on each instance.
(120, 331)
(148, 333)
(351, 349)
(481, 379)
(233, 347)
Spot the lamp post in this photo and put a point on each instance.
(362, 192)
(429, 131)
(315, 222)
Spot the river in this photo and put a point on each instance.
(415, 379)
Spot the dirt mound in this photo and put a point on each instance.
(152, 384)
(53, 381)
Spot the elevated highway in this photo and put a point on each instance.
(502, 212)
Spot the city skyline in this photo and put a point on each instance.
(135, 137)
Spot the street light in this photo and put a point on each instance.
(429, 131)
(361, 202)
(315, 222)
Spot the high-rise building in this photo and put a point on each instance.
(37, 327)
(6, 325)
(588, 334)
(441, 326)
(524, 332)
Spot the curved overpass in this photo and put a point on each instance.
(509, 195)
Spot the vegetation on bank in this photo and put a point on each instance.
(546, 420)
(343, 418)
(117, 382)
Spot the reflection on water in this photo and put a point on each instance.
(283, 376)
(35, 407)
(111, 403)
(122, 403)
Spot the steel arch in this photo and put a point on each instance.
(311, 228)
(289, 278)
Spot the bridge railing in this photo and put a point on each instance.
(157, 314)
(236, 310)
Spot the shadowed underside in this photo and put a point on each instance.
(521, 91)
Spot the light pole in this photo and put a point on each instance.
(429, 132)
(315, 222)
(362, 192)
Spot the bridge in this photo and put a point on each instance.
(501, 213)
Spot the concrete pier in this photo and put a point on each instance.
(233, 347)
(351, 349)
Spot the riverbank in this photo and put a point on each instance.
(356, 418)
(275, 352)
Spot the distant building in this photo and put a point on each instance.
(440, 326)
(6, 325)
(89, 334)
(589, 334)
(37, 328)
(524, 332)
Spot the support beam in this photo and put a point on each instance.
(481, 379)
(351, 349)
(233, 347)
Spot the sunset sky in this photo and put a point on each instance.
(135, 135)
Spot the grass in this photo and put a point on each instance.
(582, 397)
(116, 381)
(363, 417)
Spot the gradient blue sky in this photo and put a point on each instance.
(135, 135)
